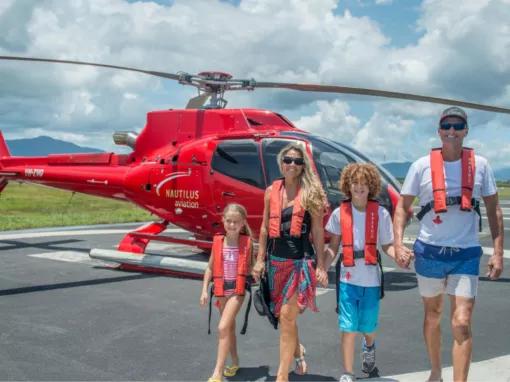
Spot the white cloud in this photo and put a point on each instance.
(332, 120)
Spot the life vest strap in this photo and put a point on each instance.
(451, 201)
(246, 312)
(358, 254)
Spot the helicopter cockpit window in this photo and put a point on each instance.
(332, 164)
(240, 160)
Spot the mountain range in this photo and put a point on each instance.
(43, 145)
(46, 145)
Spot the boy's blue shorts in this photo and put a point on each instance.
(359, 308)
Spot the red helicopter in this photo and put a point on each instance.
(186, 165)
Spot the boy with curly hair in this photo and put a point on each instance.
(362, 226)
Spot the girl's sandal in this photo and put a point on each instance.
(230, 371)
(214, 380)
(301, 365)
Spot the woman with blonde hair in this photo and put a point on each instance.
(293, 209)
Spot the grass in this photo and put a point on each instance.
(31, 206)
(504, 192)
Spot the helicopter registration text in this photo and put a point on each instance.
(186, 198)
(34, 172)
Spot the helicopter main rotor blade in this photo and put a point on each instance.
(151, 72)
(378, 93)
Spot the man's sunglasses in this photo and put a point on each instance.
(297, 161)
(456, 126)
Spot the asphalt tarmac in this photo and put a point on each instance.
(66, 317)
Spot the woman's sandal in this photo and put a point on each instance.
(230, 371)
(301, 365)
(214, 380)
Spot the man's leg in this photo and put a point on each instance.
(433, 307)
(462, 290)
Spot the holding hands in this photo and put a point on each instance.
(403, 256)
(258, 270)
(322, 276)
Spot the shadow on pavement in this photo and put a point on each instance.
(399, 281)
(55, 245)
(74, 284)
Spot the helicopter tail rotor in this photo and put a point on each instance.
(4, 152)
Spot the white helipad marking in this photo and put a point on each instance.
(494, 370)
(70, 257)
(30, 235)
(321, 291)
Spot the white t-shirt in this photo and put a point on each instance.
(454, 228)
(362, 274)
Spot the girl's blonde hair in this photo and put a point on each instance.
(237, 208)
(360, 173)
(313, 198)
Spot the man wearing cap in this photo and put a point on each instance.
(449, 183)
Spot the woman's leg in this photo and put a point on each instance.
(299, 353)
(229, 309)
(288, 337)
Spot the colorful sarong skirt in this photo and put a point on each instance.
(289, 276)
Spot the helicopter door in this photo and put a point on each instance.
(238, 178)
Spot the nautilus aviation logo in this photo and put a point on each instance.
(170, 177)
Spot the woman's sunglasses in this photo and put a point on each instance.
(456, 126)
(297, 161)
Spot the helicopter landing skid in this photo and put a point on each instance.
(131, 256)
(136, 262)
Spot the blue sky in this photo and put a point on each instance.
(431, 47)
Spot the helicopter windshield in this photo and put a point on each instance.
(324, 145)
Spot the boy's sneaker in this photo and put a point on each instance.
(367, 358)
(347, 377)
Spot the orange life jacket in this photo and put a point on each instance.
(438, 183)
(275, 211)
(371, 228)
(243, 264)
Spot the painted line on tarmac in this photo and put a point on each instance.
(494, 370)
(70, 257)
(486, 250)
(34, 235)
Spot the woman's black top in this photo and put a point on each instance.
(290, 247)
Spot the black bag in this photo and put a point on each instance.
(262, 301)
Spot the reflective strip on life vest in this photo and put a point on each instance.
(275, 211)
(468, 178)
(243, 265)
(371, 228)
(438, 182)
